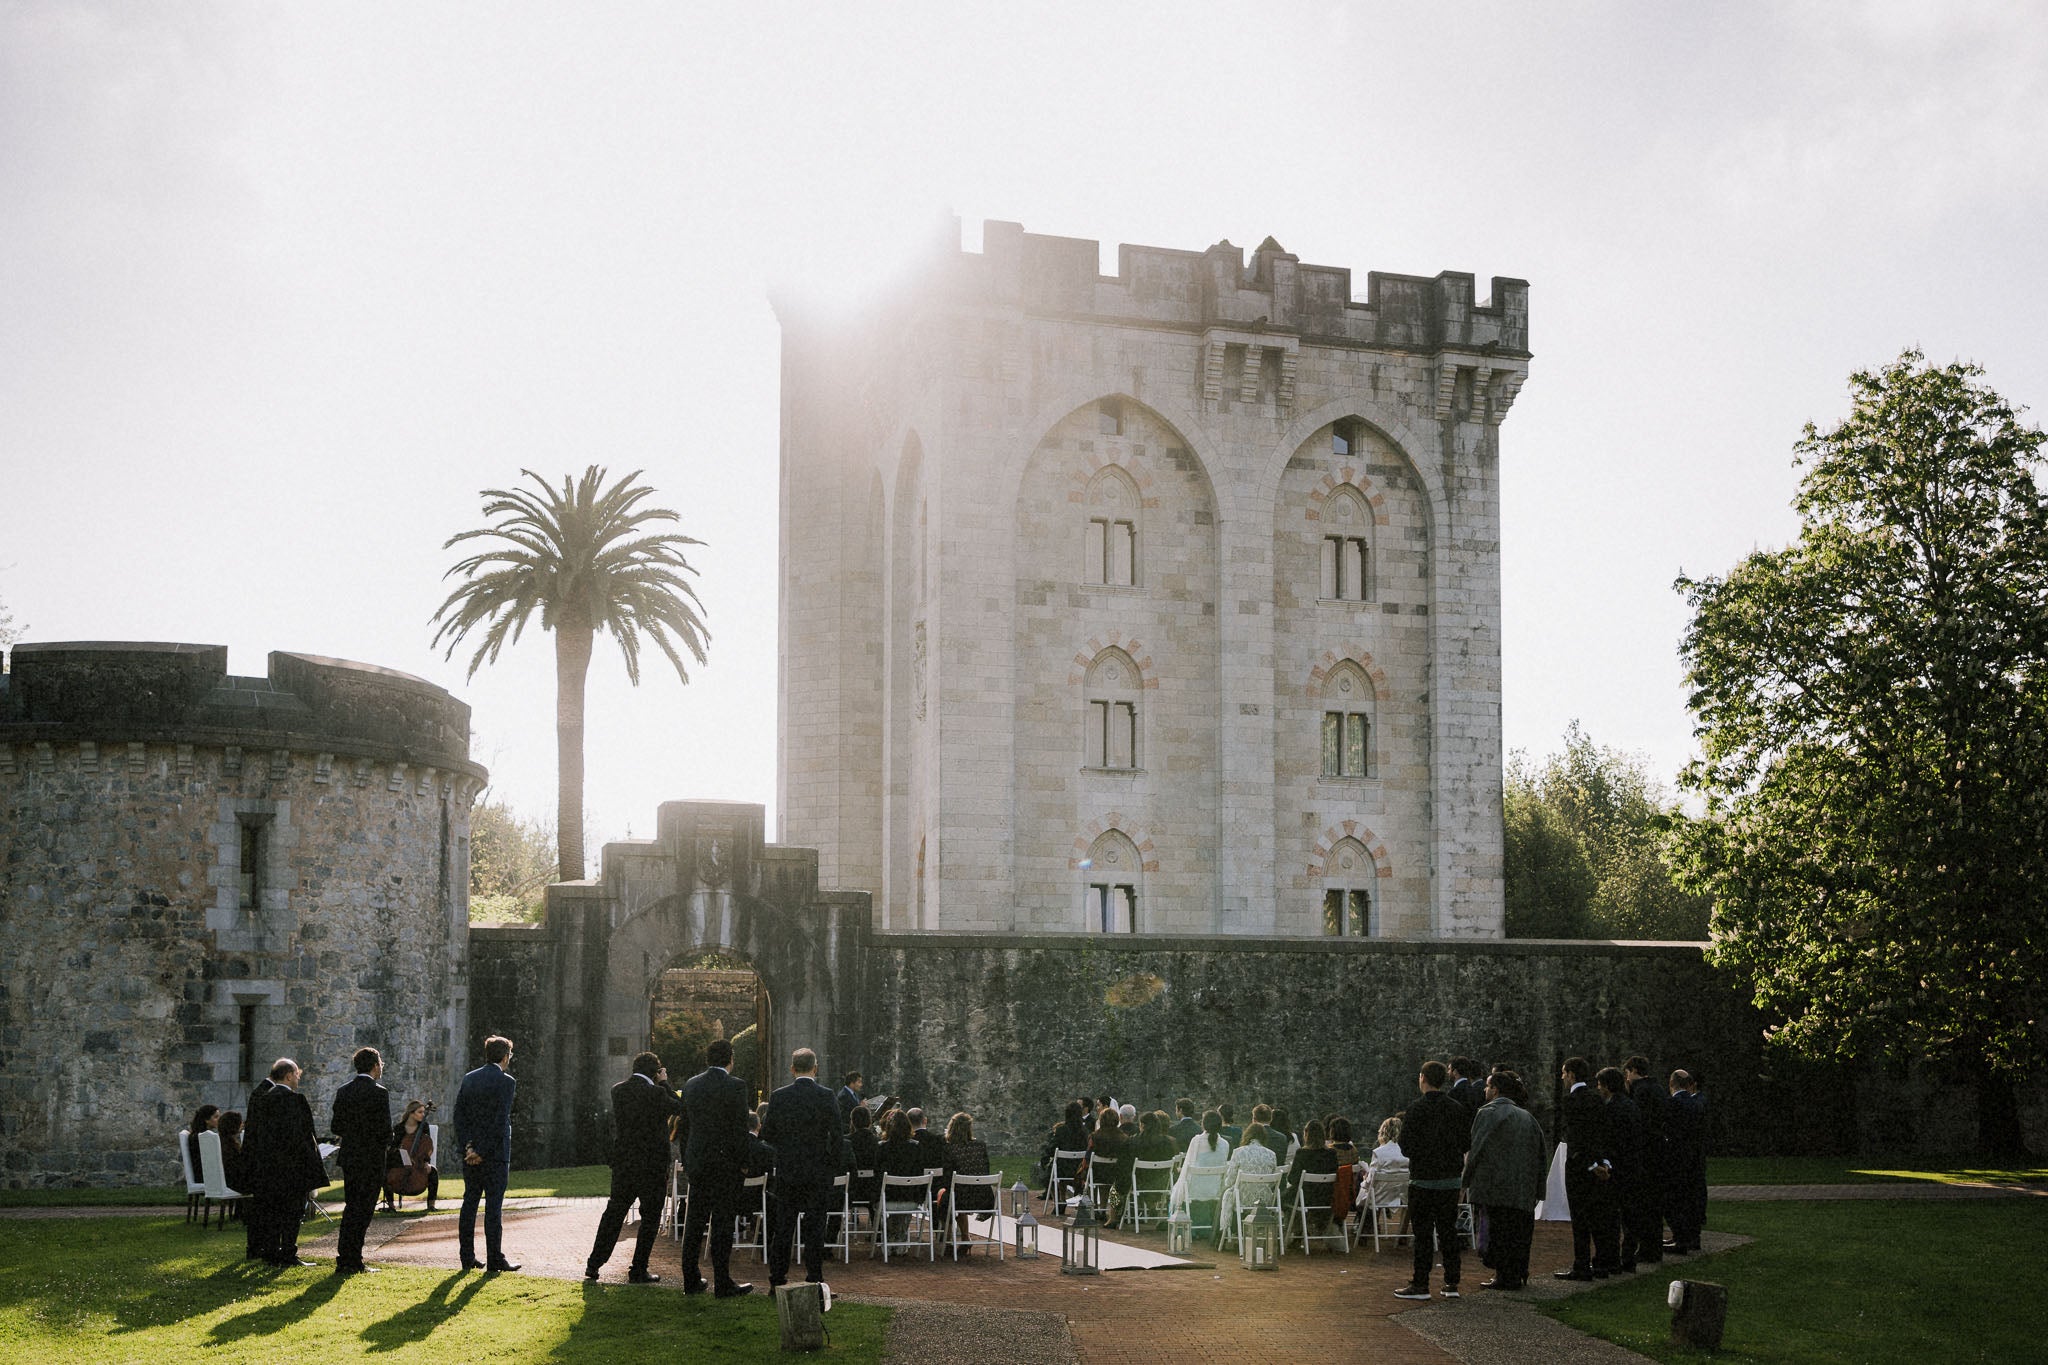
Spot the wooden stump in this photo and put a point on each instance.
(800, 1309)
(1700, 1314)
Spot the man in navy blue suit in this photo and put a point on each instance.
(715, 1144)
(803, 1127)
(483, 1134)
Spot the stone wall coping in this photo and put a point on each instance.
(1248, 943)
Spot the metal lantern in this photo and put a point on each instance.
(1258, 1241)
(1080, 1241)
(1024, 1228)
(1180, 1233)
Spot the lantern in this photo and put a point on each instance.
(1258, 1242)
(1080, 1241)
(1180, 1233)
(1024, 1228)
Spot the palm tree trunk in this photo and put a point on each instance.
(572, 665)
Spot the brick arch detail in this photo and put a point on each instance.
(1148, 855)
(1319, 856)
(1346, 476)
(1352, 654)
(1134, 648)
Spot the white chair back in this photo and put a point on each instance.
(215, 1168)
(908, 1197)
(991, 1237)
(193, 1184)
(1057, 1176)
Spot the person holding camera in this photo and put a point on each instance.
(642, 1109)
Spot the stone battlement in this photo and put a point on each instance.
(145, 692)
(1274, 292)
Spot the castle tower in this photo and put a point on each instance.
(1166, 601)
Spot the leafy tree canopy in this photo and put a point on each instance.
(512, 860)
(1871, 704)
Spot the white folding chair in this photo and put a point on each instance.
(991, 1236)
(195, 1189)
(754, 1198)
(860, 1208)
(908, 1197)
(1102, 1181)
(216, 1181)
(1323, 1188)
(1160, 1195)
(1386, 1192)
(838, 1204)
(1251, 1191)
(1201, 1185)
(678, 1200)
(1057, 1178)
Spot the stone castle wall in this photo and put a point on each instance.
(950, 458)
(141, 974)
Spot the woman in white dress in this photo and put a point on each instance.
(1200, 1183)
(1254, 1157)
(1386, 1159)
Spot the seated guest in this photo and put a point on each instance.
(1153, 1143)
(1350, 1166)
(967, 1155)
(899, 1154)
(1339, 1131)
(1232, 1134)
(207, 1117)
(233, 1167)
(1312, 1156)
(1127, 1120)
(864, 1146)
(1200, 1185)
(1388, 1154)
(1254, 1158)
(1283, 1129)
(1070, 1134)
(1276, 1142)
(934, 1148)
(1108, 1161)
(407, 1149)
(1186, 1126)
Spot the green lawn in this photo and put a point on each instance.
(548, 1182)
(1849, 1170)
(1855, 1283)
(143, 1289)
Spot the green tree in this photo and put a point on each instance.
(583, 556)
(512, 859)
(680, 1037)
(1549, 882)
(1872, 707)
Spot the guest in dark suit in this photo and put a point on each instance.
(284, 1162)
(1588, 1173)
(935, 1156)
(641, 1156)
(261, 1246)
(1630, 1187)
(1686, 1188)
(850, 1087)
(483, 1134)
(864, 1147)
(1232, 1133)
(362, 1124)
(1642, 1240)
(715, 1114)
(803, 1126)
(1187, 1127)
(1466, 1088)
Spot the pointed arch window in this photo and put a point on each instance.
(1109, 553)
(1110, 877)
(1348, 907)
(1348, 723)
(1346, 548)
(1109, 720)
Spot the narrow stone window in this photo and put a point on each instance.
(1347, 549)
(1347, 892)
(255, 835)
(1110, 714)
(1111, 876)
(1342, 441)
(245, 1043)
(1109, 417)
(1113, 907)
(1347, 723)
(1110, 554)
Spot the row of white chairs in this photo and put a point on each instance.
(209, 1190)
(911, 1200)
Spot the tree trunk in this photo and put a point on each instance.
(572, 666)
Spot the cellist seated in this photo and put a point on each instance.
(409, 1166)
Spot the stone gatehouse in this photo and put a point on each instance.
(199, 873)
(1165, 601)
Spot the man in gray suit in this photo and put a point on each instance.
(1504, 1174)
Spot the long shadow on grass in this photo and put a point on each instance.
(418, 1322)
(274, 1316)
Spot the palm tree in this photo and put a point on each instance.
(582, 555)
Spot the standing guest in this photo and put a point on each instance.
(1312, 1156)
(802, 1125)
(967, 1155)
(408, 1149)
(1634, 1196)
(1232, 1134)
(483, 1133)
(362, 1123)
(1466, 1089)
(1588, 1171)
(260, 1246)
(642, 1108)
(284, 1162)
(1434, 1136)
(234, 1167)
(850, 1087)
(1504, 1175)
(1686, 1197)
(715, 1110)
(1650, 1102)
(1187, 1126)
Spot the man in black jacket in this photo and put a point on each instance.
(1434, 1136)
(1642, 1239)
(1466, 1087)
(641, 1155)
(1685, 1192)
(802, 1125)
(284, 1161)
(262, 1245)
(1588, 1174)
(850, 1095)
(715, 1113)
(1630, 1186)
(362, 1123)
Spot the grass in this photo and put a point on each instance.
(136, 1196)
(1860, 1283)
(548, 1182)
(1847, 1170)
(142, 1289)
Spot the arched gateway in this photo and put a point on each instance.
(574, 990)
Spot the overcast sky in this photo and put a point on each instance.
(282, 287)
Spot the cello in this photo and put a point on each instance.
(409, 1176)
